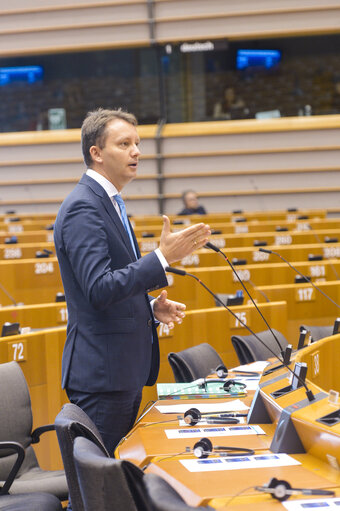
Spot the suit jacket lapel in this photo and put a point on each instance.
(99, 190)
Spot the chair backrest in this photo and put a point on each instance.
(164, 497)
(195, 362)
(249, 349)
(71, 422)
(107, 483)
(30, 502)
(16, 417)
(318, 332)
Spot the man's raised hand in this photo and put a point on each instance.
(176, 245)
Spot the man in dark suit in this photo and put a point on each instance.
(111, 350)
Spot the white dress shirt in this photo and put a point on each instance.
(111, 190)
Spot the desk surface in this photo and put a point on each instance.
(200, 488)
(149, 446)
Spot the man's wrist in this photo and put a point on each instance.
(161, 258)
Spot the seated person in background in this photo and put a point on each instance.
(191, 206)
(230, 106)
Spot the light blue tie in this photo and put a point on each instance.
(125, 221)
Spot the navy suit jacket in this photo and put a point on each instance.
(111, 342)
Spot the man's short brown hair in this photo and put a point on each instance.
(93, 130)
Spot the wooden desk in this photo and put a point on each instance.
(248, 239)
(46, 217)
(144, 220)
(40, 315)
(223, 280)
(28, 236)
(150, 441)
(203, 488)
(258, 502)
(24, 225)
(304, 304)
(24, 250)
(30, 280)
(207, 258)
(251, 226)
(216, 326)
(321, 442)
(321, 359)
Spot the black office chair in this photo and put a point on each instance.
(30, 502)
(192, 363)
(16, 426)
(23, 501)
(165, 498)
(320, 332)
(249, 349)
(107, 484)
(71, 422)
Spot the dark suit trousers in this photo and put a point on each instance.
(114, 413)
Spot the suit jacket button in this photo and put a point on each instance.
(149, 322)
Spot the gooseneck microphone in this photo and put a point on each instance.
(178, 271)
(301, 274)
(8, 295)
(225, 257)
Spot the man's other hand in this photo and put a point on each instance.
(167, 311)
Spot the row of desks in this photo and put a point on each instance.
(25, 279)
(227, 240)
(224, 227)
(213, 325)
(203, 257)
(39, 351)
(21, 278)
(153, 219)
(149, 445)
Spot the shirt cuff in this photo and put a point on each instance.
(161, 258)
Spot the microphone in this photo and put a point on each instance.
(259, 290)
(177, 271)
(307, 279)
(216, 249)
(8, 295)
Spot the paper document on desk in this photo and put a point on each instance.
(235, 405)
(302, 505)
(239, 462)
(210, 390)
(255, 367)
(250, 383)
(214, 431)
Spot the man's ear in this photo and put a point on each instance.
(95, 153)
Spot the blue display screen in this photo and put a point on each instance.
(29, 74)
(257, 58)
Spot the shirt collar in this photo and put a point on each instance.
(109, 187)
